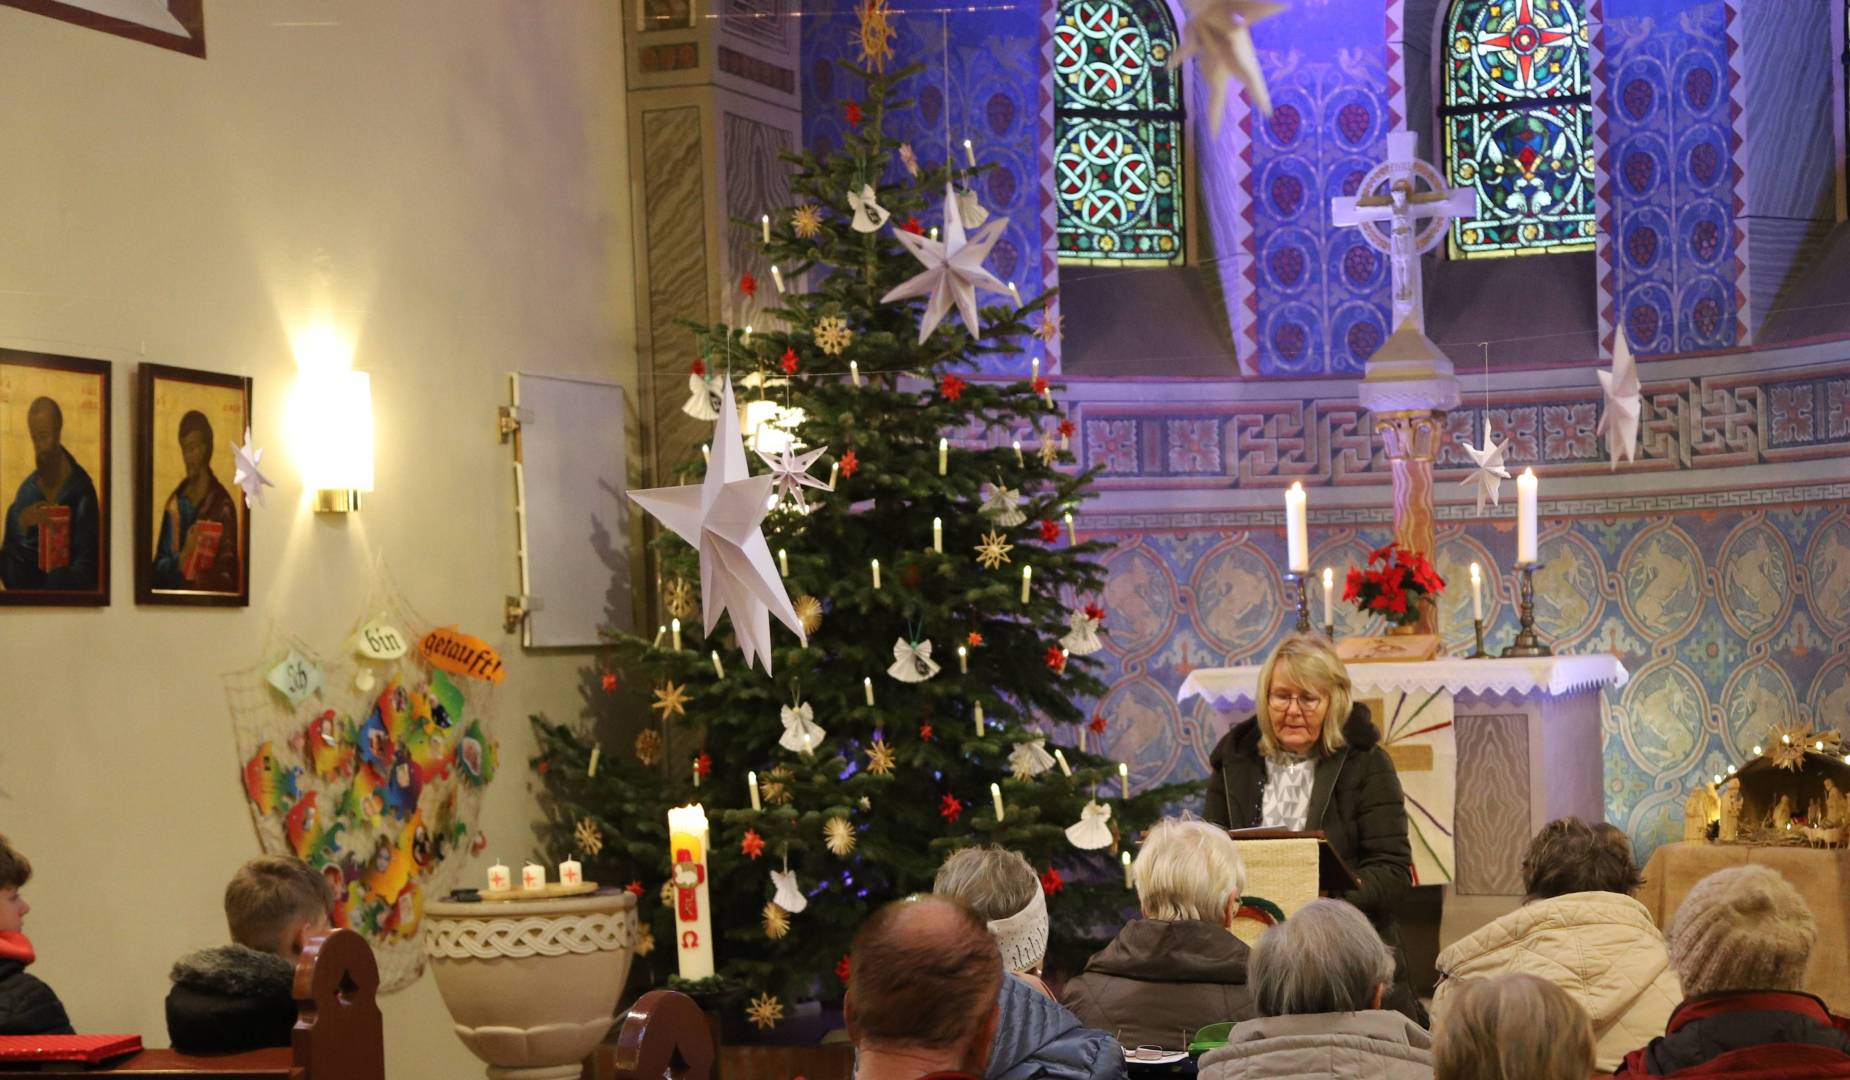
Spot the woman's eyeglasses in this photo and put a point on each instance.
(1283, 701)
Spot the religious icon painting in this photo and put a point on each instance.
(192, 527)
(54, 478)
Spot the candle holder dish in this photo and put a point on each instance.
(1527, 642)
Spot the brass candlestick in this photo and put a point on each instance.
(1527, 643)
(1329, 630)
(1477, 628)
(1303, 626)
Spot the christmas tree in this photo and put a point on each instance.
(947, 604)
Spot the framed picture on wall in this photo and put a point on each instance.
(179, 25)
(54, 479)
(192, 530)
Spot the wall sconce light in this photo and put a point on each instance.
(334, 436)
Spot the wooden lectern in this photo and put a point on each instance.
(1287, 869)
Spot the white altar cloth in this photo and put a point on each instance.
(1556, 676)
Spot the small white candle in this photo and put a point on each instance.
(1296, 543)
(876, 566)
(1017, 445)
(764, 223)
(1080, 745)
(809, 744)
(1014, 295)
(696, 772)
(596, 752)
(1072, 536)
(533, 877)
(1124, 780)
(660, 633)
(1027, 580)
(944, 456)
(970, 153)
(1061, 758)
(675, 630)
(751, 781)
(834, 471)
(706, 453)
(995, 792)
(571, 873)
(746, 337)
(963, 660)
(777, 276)
(1525, 517)
(867, 685)
(854, 371)
(937, 535)
(1329, 596)
(783, 562)
(934, 233)
(499, 879)
(1034, 363)
(978, 714)
(1125, 858)
(1477, 593)
(719, 672)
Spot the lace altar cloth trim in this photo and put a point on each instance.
(484, 939)
(1555, 676)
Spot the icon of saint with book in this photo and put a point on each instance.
(51, 535)
(197, 549)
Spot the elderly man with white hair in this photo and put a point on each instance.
(1317, 980)
(1177, 969)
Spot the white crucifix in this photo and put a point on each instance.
(1393, 192)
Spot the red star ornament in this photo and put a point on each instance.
(949, 808)
(703, 765)
(1052, 882)
(925, 733)
(975, 640)
(634, 888)
(751, 845)
(849, 463)
(911, 225)
(609, 682)
(789, 363)
(1056, 659)
(1050, 532)
(748, 284)
(1098, 723)
(698, 367)
(1067, 429)
(952, 387)
(852, 111)
(1039, 385)
(844, 967)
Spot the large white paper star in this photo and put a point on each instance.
(790, 474)
(1490, 470)
(1218, 34)
(720, 519)
(245, 460)
(953, 269)
(1624, 402)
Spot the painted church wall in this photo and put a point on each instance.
(432, 178)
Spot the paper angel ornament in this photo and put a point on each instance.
(788, 896)
(244, 474)
(1082, 636)
(868, 214)
(970, 208)
(801, 732)
(1091, 832)
(912, 661)
(790, 474)
(1490, 468)
(1218, 34)
(1030, 759)
(1624, 402)
(953, 269)
(1001, 505)
(702, 397)
(720, 518)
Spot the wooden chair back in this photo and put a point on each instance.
(664, 1034)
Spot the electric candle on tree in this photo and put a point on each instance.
(995, 792)
(499, 878)
(1296, 545)
(751, 781)
(944, 455)
(571, 873)
(1065, 769)
(979, 719)
(937, 535)
(867, 684)
(1525, 517)
(1125, 858)
(676, 632)
(693, 917)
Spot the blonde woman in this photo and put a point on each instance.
(1311, 759)
(1177, 969)
(1512, 1027)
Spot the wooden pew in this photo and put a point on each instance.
(663, 1034)
(338, 1031)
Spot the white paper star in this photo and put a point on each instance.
(1218, 34)
(720, 518)
(1489, 467)
(245, 460)
(1624, 402)
(868, 214)
(953, 269)
(790, 474)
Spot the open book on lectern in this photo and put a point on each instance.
(1334, 877)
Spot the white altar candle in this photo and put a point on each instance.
(533, 877)
(1124, 780)
(944, 456)
(1027, 579)
(1296, 544)
(1477, 592)
(1125, 858)
(676, 631)
(995, 792)
(783, 561)
(963, 660)
(499, 879)
(764, 224)
(751, 781)
(1525, 517)
(1329, 596)
(937, 535)
(867, 684)
(979, 719)
(876, 565)
(718, 671)
(571, 873)
(1061, 758)
(687, 844)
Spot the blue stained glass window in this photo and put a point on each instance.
(1517, 121)
(1118, 132)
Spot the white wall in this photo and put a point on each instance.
(442, 179)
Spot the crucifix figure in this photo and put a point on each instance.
(1417, 217)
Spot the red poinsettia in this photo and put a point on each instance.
(698, 367)
(1393, 583)
(1052, 882)
(844, 968)
(952, 387)
(609, 681)
(949, 808)
(852, 110)
(748, 284)
(925, 734)
(634, 888)
(912, 225)
(849, 463)
(1056, 659)
(751, 845)
(704, 765)
(1050, 531)
(1098, 723)
(789, 362)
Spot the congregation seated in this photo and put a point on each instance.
(922, 1002)
(1580, 928)
(27, 1005)
(1036, 1038)
(1740, 944)
(1318, 979)
(239, 996)
(1512, 1025)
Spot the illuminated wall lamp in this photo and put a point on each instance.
(334, 426)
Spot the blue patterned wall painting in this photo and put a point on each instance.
(994, 81)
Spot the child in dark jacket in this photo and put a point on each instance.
(27, 1005)
(239, 996)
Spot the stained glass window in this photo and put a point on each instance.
(1517, 120)
(1118, 129)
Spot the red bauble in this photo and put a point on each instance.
(911, 225)
(924, 732)
(1039, 385)
(1067, 429)
(634, 888)
(1095, 613)
(703, 765)
(698, 367)
(844, 967)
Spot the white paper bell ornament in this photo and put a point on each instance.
(1082, 637)
(1090, 832)
(788, 896)
(912, 662)
(802, 735)
(1001, 505)
(1030, 759)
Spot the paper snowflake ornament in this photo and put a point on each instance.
(1003, 505)
(670, 700)
(994, 550)
(765, 1011)
(832, 335)
(802, 735)
(912, 662)
(838, 836)
(776, 923)
(790, 475)
(720, 518)
(702, 397)
(1624, 404)
(806, 221)
(785, 892)
(869, 215)
(880, 758)
(649, 747)
(1091, 832)
(953, 269)
(1029, 759)
(244, 473)
(1218, 35)
(809, 613)
(1081, 638)
(1489, 468)
(590, 838)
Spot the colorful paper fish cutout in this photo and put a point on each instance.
(312, 842)
(270, 786)
(477, 755)
(329, 745)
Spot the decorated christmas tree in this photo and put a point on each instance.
(923, 536)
